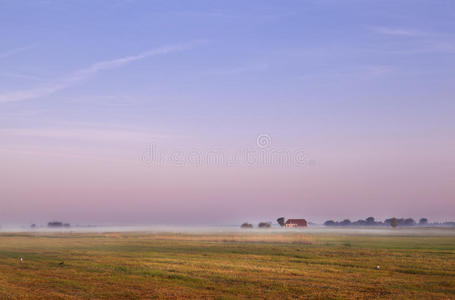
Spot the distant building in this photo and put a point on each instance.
(291, 223)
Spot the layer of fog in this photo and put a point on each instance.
(413, 231)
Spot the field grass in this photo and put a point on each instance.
(225, 266)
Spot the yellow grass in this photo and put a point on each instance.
(225, 266)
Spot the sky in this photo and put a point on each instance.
(220, 112)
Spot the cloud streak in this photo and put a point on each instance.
(14, 51)
(83, 74)
(398, 31)
(83, 134)
(21, 76)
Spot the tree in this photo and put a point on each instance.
(409, 222)
(55, 224)
(264, 225)
(329, 223)
(246, 225)
(394, 222)
(281, 221)
(423, 221)
(360, 223)
(346, 222)
(370, 221)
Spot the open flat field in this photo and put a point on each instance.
(226, 266)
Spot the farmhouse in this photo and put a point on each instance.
(291, 223)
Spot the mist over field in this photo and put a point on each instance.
(237, 231)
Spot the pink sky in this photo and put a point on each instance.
(359, 94)
(109, 181)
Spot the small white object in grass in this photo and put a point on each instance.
(22, 259)
(377, 267)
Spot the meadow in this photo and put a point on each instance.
(274, 265)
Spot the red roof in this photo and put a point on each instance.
(298, 222)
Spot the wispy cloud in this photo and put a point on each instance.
(14, 51)
(241, 69)
(378, 70)
(82, 74)
(349, 73)
(21, 113)
(99, 142)
(83, 134)
(423, 42)
(398, 31)
(21, 76)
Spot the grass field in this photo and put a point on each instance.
(225, 266)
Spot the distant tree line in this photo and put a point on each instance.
(58, 224)
(370, 221)
(394, 222)
(260, 225)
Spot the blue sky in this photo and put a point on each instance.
(343, 80)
